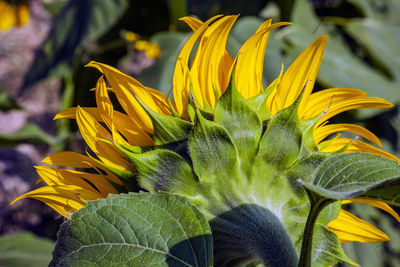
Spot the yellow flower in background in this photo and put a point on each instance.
(106, 170)
(13, 14)
(151, 49)
(131, 36)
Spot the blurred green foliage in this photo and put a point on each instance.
(362, 52)
(25, 250)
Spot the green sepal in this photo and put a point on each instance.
(322, 239)
(164, 170)
(173, 111)
(211, 148)
(307, 127)
(242, 123)
(215, 159)
(167, 129)
(259, 102)
(281, 144)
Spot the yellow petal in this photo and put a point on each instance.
(129, 128)
(76, 160)
(250, 61)
(194, 23)
(66, 177)
(336, 100)
(63, 199)
(377, 204)
(52, 176)
(324, 131)
(356, 146)
(99, 181)
(351, 228)
(212, 67)
(181, 83)
(301, 73)
(106, 110)
(70, 159)
(126, 88)
(91, 131)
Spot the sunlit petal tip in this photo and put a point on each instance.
(349, 227)
(375, 203)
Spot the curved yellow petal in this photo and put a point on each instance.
(194, 23)
(129, 128)
(70, 159)
(356, 146)
(63, 199)
(126, 88)
(324, 131)
(181, 84)
(99, 181)
(351, 228)
(301, 73)
(212, 68)
(336, 100)
(76, 160)
(250, 61)
(377, 204)
(91, 131)
(106, 110)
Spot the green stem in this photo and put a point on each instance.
(317, 204)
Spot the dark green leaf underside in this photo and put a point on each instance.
(135, 230)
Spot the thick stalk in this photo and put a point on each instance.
(306, 248)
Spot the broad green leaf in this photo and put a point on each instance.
(167, 129)
(170, 44)
(25, 250)
(352, 175)
(142, 229)
(243, 124)
(78, 22)
(29, 133)
(382, 10)
(381, 39)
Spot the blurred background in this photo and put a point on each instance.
(45, 44)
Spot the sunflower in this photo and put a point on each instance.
(125, 146)
(13, 13)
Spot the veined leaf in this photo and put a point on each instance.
(135, 230)
(358, 175)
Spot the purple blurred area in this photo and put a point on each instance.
(39, 104)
